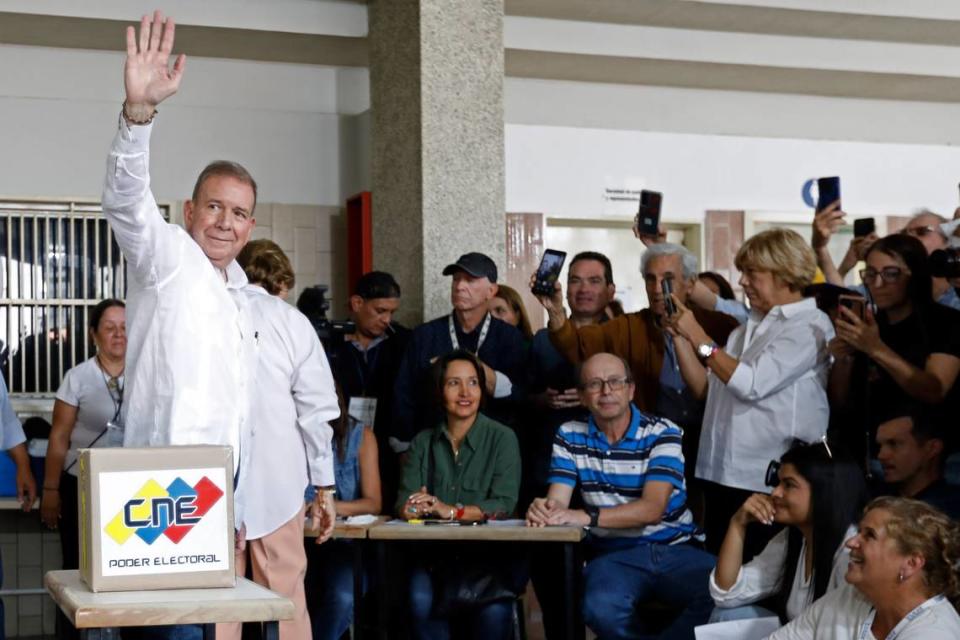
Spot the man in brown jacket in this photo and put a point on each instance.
(639, 339)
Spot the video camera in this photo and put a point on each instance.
(313, 303)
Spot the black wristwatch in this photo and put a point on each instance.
(594, 513)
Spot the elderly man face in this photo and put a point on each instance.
(606, 387)
(926, 228)
(658, 269)
(220, 220)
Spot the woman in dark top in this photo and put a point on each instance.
(909, 350)
(465, 468)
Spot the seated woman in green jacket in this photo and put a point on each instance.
(465, 468)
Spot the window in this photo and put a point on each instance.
(57, 261)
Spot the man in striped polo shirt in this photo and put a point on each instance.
(644, 545)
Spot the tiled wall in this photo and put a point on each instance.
(28, 551)
(723, 232)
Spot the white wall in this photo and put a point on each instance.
(562, 171)
(58, 113)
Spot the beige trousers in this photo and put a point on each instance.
(279, 563)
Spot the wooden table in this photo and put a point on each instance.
(568, 536)
(90, 612)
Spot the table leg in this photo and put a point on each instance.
(571, 593)
(383, 596)
(357, 588)
(209, 631)
(271, 630)
(90, 634)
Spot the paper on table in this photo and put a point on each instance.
(361, 519)
(752, 629)
(507, 523)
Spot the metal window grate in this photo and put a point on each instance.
(57, 260)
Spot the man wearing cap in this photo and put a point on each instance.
(498, 345)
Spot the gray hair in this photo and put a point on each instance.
(689, 260)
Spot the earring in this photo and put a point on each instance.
(900, 576)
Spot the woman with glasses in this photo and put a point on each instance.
(910, 348)
(902, 580)
(467, 468)
(766, 387)
(817, 498)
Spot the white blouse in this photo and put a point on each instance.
(777, 393)
(761, 577)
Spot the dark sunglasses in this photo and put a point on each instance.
(772, 477)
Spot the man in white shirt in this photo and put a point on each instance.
(193, 344)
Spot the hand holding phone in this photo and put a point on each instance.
(856, 304)
(544, 282)
(647, 220)
(828, 190)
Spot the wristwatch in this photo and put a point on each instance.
(594, 513)
(707, 349)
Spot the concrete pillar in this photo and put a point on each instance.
(436, 82)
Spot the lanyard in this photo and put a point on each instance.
(907, 619)
(113, 384)
(483, 333)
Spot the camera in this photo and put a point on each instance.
(945, 263)
(313, 303)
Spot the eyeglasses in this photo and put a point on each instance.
(889, 275)
(614, 384)
(772, 477)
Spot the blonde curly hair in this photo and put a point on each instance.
(920, 529)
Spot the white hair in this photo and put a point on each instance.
(689, 260)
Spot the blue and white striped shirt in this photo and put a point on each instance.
(611, 475)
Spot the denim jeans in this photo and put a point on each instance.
(163, 632)
(489, 622)
(329, 587)
(3, 634)
(674, 575)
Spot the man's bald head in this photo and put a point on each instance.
(606, 387)
(602, 361)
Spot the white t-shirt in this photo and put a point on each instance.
(761, 577)
(85, 387)
(840, 614)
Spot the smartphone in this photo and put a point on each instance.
(857, 304)
(548, 272)
(829, 192)
(863, 227)
(666, 285)
(647, 221)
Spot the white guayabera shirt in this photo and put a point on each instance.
(188, 338)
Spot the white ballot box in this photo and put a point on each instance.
(158, 518)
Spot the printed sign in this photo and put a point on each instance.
(163, 521)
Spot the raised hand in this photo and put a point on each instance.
(757, 508)
(147, 76)
(825, 223)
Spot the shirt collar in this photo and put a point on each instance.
(631, 434)
(441, 432)
(794, 308)
(373, 343)
(236, 278)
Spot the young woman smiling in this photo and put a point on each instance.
(817, 499)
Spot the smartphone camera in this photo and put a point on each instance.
(666, 285)
(945, 263)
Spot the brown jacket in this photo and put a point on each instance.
(637, 339)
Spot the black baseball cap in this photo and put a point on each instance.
(477, 265)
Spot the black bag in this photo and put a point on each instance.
(462, 586)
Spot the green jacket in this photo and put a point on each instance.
(486, 475)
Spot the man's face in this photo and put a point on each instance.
(604, 403)
(662, 268)
(926, 229)
(588, 292)
(373, 316)
(901, 455)
(221, 218)
(468, 292)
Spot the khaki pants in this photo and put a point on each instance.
(279, 563)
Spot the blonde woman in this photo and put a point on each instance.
(766, 387)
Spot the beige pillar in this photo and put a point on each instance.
(436, 82)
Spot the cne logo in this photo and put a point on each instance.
(172, 512)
